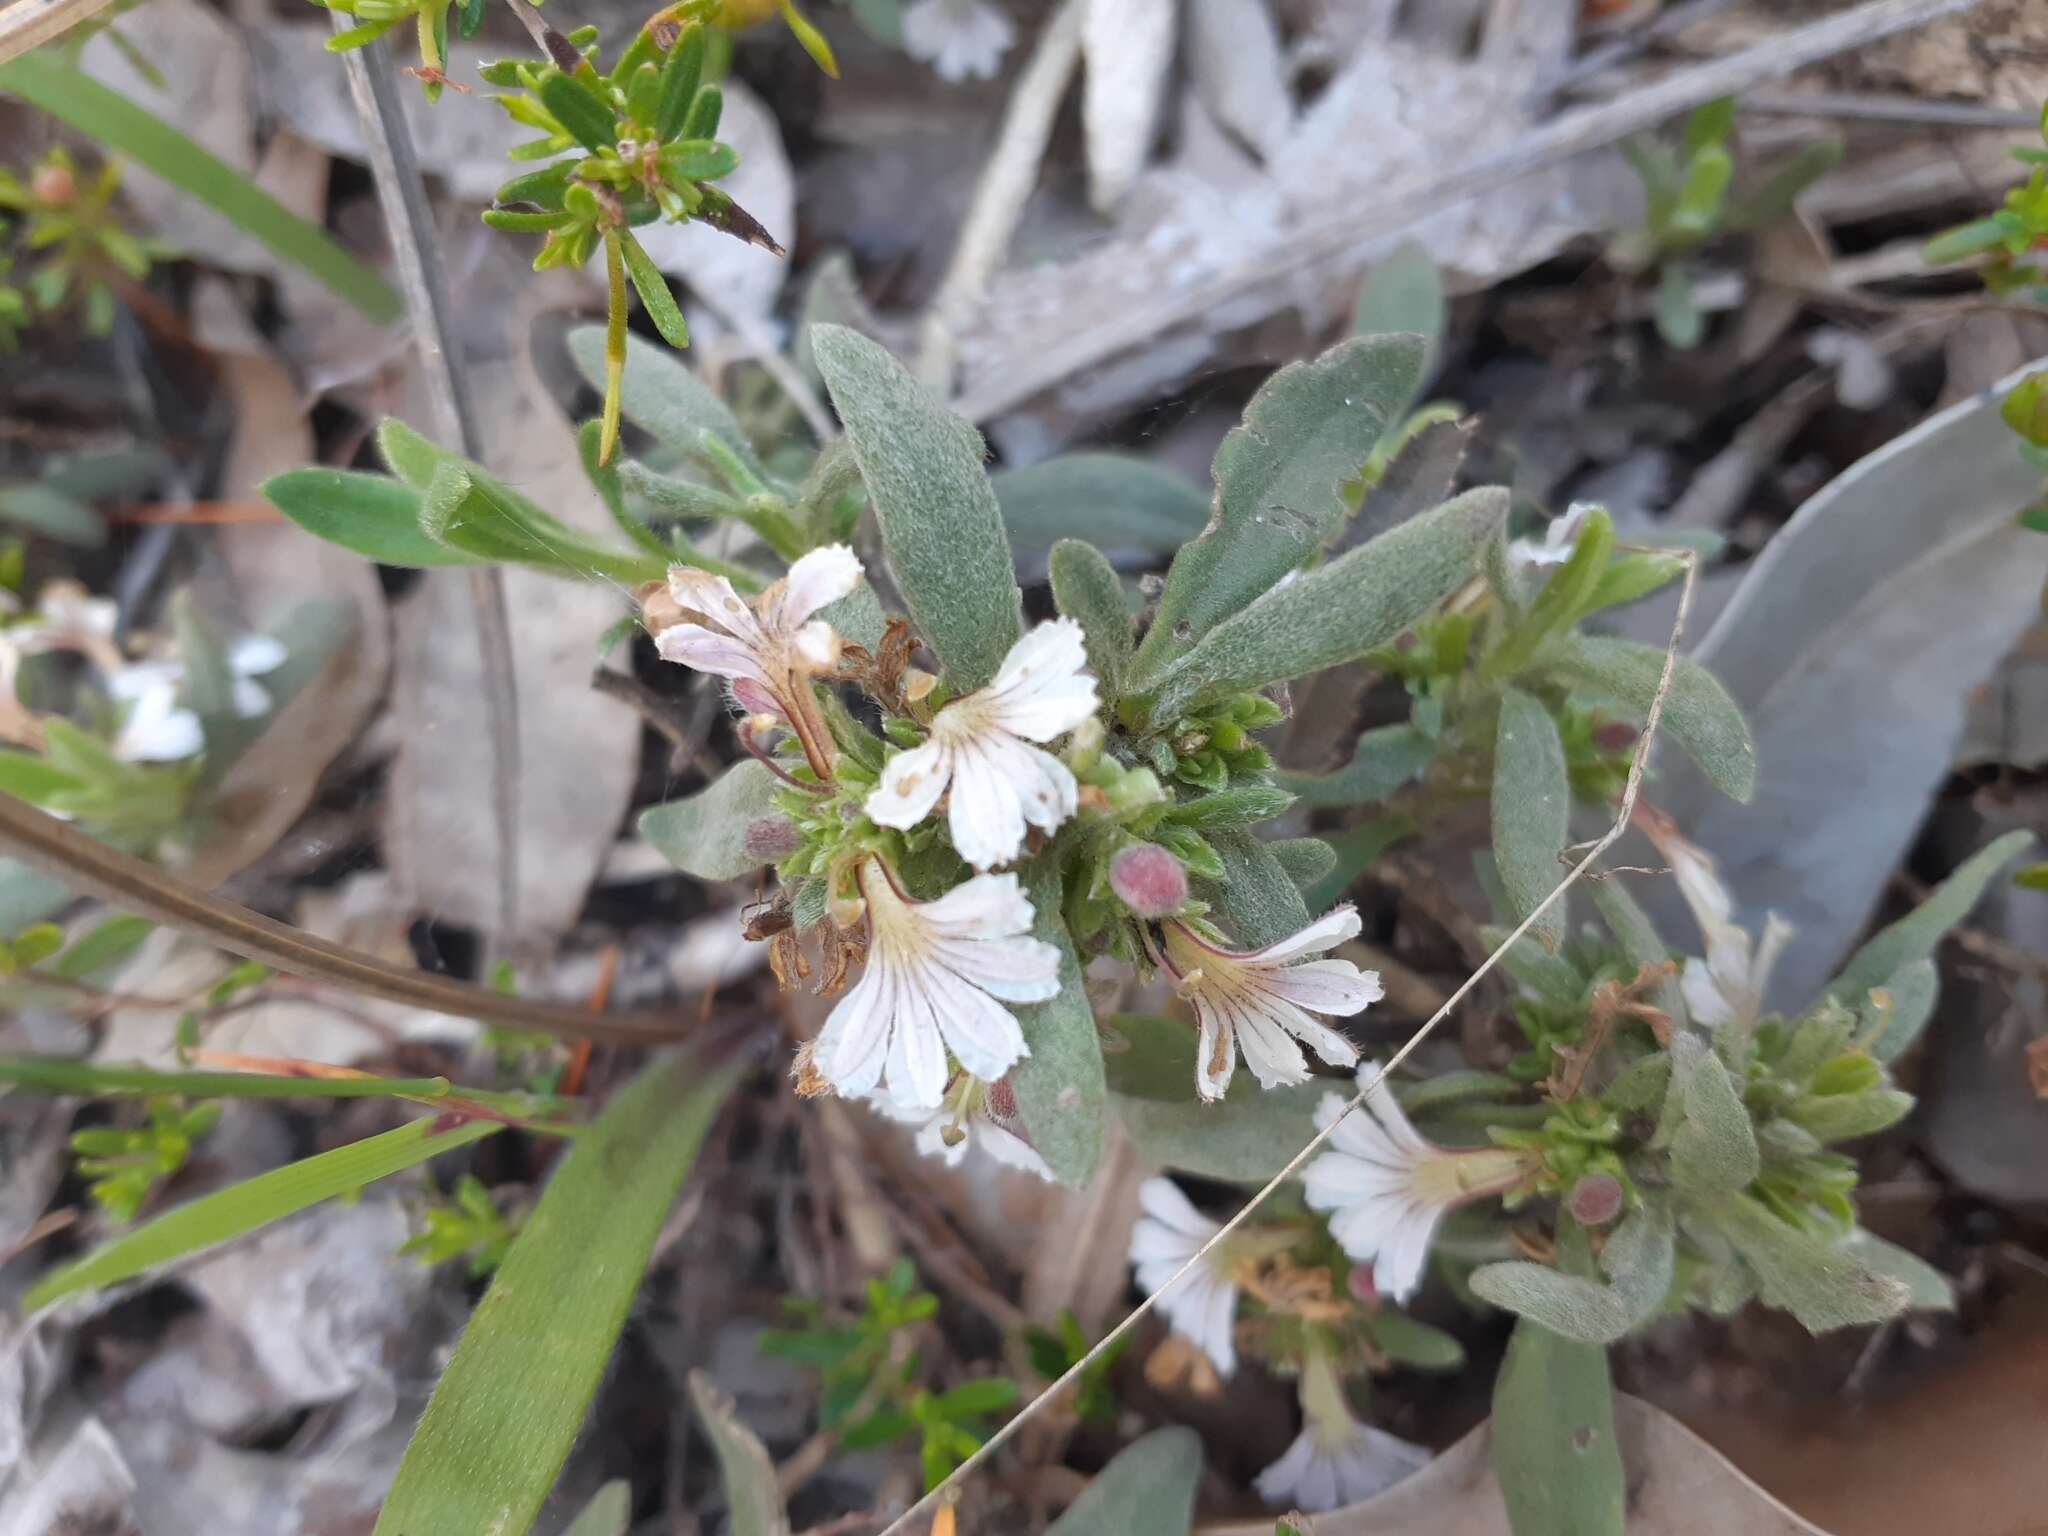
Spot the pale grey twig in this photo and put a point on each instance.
(1332, 235)
(1875, 107)
(1619, 50)
(1630, 791)
(402, 195)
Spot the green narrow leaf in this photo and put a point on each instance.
(57, 1074)
(604, 479)
(1246, 1139)
(705, 834)
(1112, 500)
(1531, 810)
(653, 289)
(1279, 483)
(373, 515)
(1698, 714)
(1916, 935)
(680, 76)
(508, 1408)
(1059, 1086)
(1713, 1149)
(107, 944)
(1404, 292)
(1385, 758)
(938, 516)
(112, 119)
(1148, 1489)
(46, 510)
(1709, 124)
(1237, 807)
(1337, 612)
(1706, 185)
(580, 110)
(1088, 590)
(1680, 320)
(810, 37)
(753, 1501)
(227, 1214)
(1554, 1446)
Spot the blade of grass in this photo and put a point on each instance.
(512, 1400)
(217, 1218)
(115, 121)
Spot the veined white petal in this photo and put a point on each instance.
(1276, 1061)
(1215, 1051)
(980, 1031)
(985, 814)
(819, 577)
(911, 784)
(817, 645)
(985, 907)
(714, 597)
(1017, 970)
(1327, 986)
(1397, 1272)
(1042, 688)
(1326, 932)
(708, 651)
(1326, 1042)
(1385, 1109)
(1166, 1203)
(853, 1047)
(1011, 1150)
(917, 1070)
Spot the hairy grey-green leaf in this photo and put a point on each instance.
(1406, 1342)
(1386, 758)
(1259, 903)
(1546, 973)
(1113, 500)
(1927, 1288)
(753, 1501)
(705, 834)
(1148, 1489)
(1823, 1285)
(1916, 935)
(1639, 1260)
(1713, 1148)
(1337, 612)
(938, 516)
(858, 616)
(1555, 1451)
(1088, 590)
(1305, 859)
(662, 396)
(1311, 427)
(1059, 1086)
(1639, 939)
(1245, 1139)
(1913, 990)
(1404, 292)
(1698, 714)
(1531, 810)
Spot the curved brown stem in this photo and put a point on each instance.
(122, 880)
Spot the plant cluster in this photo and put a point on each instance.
(70, 225)
(2009, 241)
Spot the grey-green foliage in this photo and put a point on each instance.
(705, 834)
(1639, 940)
(1713, 1145)
(1305, 860)
(1258, 900)
(608, 1513)
(1385, 758)
(753, 1501)
(1088, 590)
(1404, 292)
(1245, 1139)
(1913, 990)
(1698, 714)
(1914, 936)
(662, 396)
(1114, 500)
(1059, 1086)
(1639, 1261)
(1337, 612)
(932, 500)
(1531, 810)
(1279, 479)
(1824, 1285)
(1555, 1451)
(1148, 1489)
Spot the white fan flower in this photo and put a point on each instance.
(1203, 1306)
(1335, 1460)
(1729, 985)
(938, 974)
(981, 745)
(1386, 1186)
(958, 38)
(974, 1114)
(156, 728)
(1263, 1001)
(1558, 541)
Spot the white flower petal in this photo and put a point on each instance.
(1042, 688)
(1276, 1061)
(980, 1031)
(1328, 986)
(250, 697)
(714, 597)
(1009, 1149)
(1215, 1052)
(254, 655)
(1326, 932)
(917, 1070)
(820, 577)
(911, 784)
(853, 1047)
(706, 650)
(1166, 1203)
(985, 814)
(985, 907)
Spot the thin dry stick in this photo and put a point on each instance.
(1594, 851)
(30, 23)
(403, 197)
(1015, 378)
(91, 868)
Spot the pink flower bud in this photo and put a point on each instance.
(1149, 880)
(770, 838)
(1363, 1291)
(1596, 1199)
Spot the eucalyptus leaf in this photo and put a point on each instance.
(1386, 758)
(938, 516)
(1554, 1445)
(1404, 292)
(753, 1500)
(1279, 483)
(1113, 500)
(1698, 713)
(705, 834)
(1059, 1086)
(1088, 590)
(1148, 1489)
(1337, 612)
(1531, 810)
